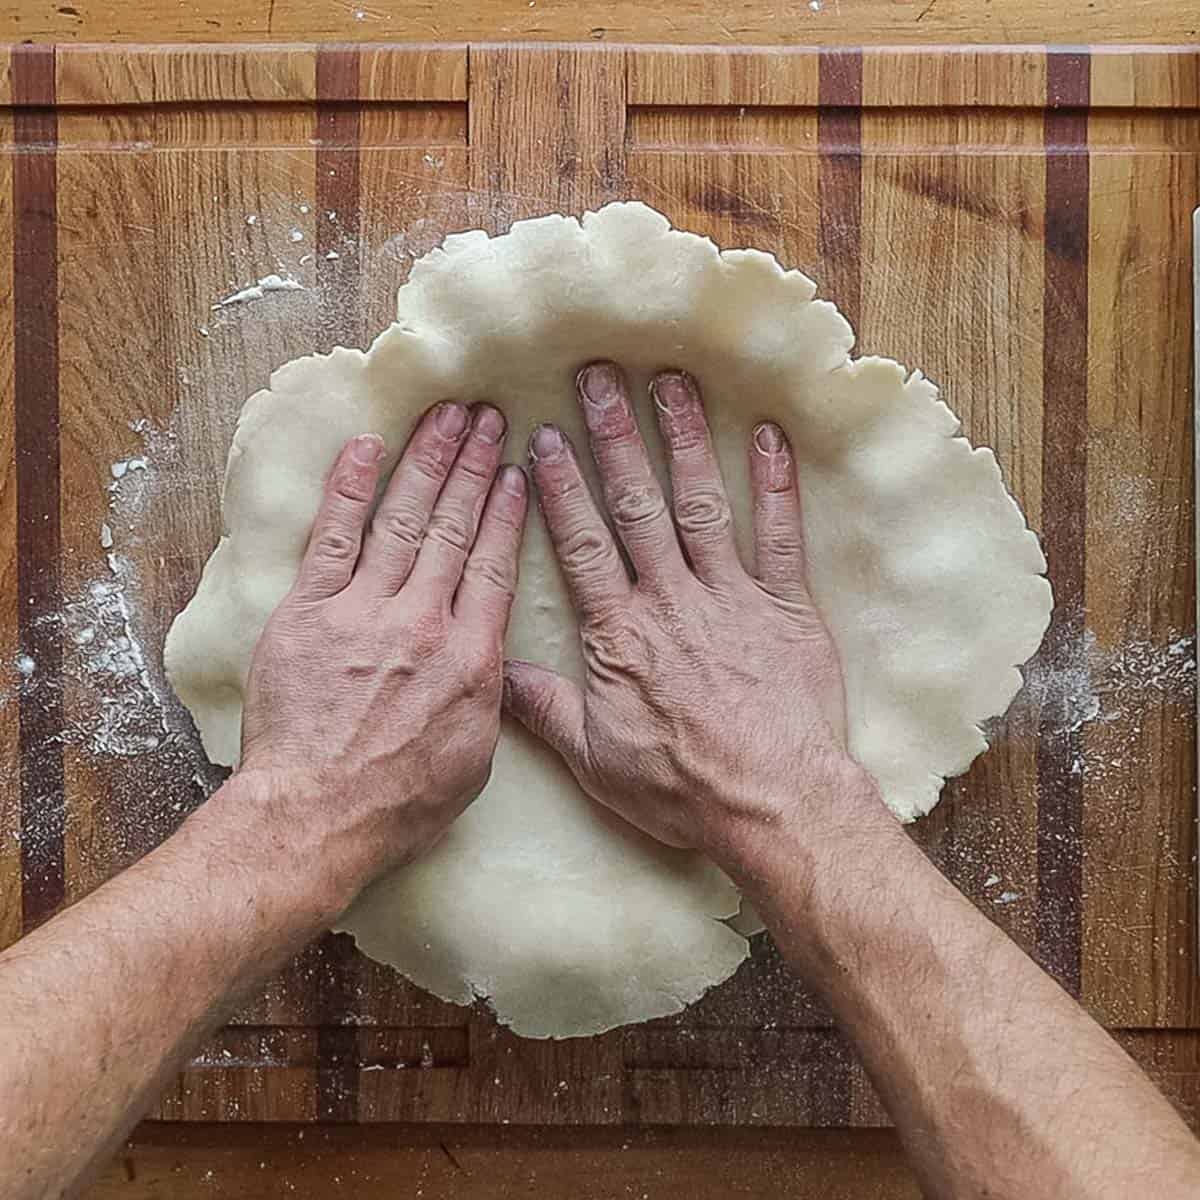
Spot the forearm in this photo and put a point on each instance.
(104, 1003)
(998, 1082)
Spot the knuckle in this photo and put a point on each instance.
(617, 646)
(702, 510)
(584, 549)
(784, 539)
(451, 529)
(475, 466)
(636, 505)
(430, 463)
(335, 545)
(497, 573)
(400, 524)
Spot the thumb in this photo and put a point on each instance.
(548, 705)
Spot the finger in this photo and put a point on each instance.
(489, 580)
(698, 498)
(778, 527)
(337, 532)
(400, 520)
(595, 575)
(549, 706)
(450, 533)
(631, 492)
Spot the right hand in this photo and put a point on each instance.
(713, 704)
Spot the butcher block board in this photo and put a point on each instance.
(1014, 221)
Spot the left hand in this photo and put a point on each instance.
(373, 704)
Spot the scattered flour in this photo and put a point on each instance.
(1085, 685)
(104, 653)
(256, 291)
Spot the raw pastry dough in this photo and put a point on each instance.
(566, 920)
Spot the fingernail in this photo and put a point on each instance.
(672, 390)
(512, 480)
(545, 444)
(367, 449)
(489, 424)
(600, 383)
(768, 438)
(451, 420)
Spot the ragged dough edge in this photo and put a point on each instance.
(713, 312)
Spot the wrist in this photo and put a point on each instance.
(269, 824)
(809, 862)
(834, 803)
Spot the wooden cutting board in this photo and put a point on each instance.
(1013, 221)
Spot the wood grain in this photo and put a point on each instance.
(36, 454)
(952, 250)
(547, 129)
(10, 790)
(460, 1163)
(1065, 322)
(696, 22)
(455, 1163)
(1140, 587)
(1028, 250)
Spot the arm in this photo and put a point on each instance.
(1000, 1084)
(106, 1001)
(713, 716)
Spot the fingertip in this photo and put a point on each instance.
(769, 439)
(367, 449)
(488, 424)
(451, 420)
(772, 466)
(600, 381)
(546, 444)
(356, 468)
(673, 391)
(513, 481)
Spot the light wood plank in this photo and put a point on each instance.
(678, 75)
(547, 129)
(413, 73)
(1152, 78)
(111, 375)
(952, 250)
(695, 22)
(100, 75)
(895, 77)
(1139, 873)
(227, 73)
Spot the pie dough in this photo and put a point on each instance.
(565, 919)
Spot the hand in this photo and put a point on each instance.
(373, 704)
(713, 701)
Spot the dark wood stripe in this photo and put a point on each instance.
(35, 385)
(839, 142)
(339, 120)
(839, 248)
(340, 323)
(1064, 503)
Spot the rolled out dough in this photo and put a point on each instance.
(567, 921)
